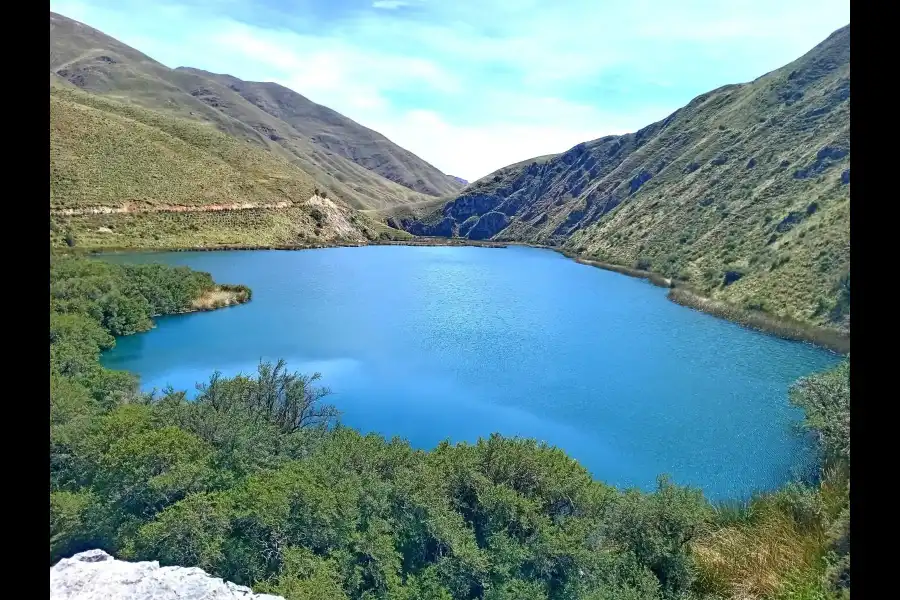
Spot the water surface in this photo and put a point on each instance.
(434, 343)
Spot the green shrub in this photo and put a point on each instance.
(825, 399)
(256, 481)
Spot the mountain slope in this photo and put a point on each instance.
(125, 176)
(335, 132)
(95, 62)
(743, 193)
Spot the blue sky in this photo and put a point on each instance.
(474, 85)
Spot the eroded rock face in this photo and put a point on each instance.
(95, 575)
(488, 225)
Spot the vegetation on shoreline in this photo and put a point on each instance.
(827, 337)
(833, 339)
(794, 543)
(221, 296)
(256, 481)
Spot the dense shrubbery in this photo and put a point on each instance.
(825, 397)
(122, 298)
(255, 481)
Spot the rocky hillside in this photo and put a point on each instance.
(743, 193)
(354, 163)
(95, 575)
(124, 176)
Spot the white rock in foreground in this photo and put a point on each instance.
(95, 575)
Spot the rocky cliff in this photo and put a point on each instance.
(95, 575)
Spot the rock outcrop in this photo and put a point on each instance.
(95, 575)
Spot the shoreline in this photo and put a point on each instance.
(219, 296)
(830, 339)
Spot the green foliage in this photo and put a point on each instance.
(307, 576)
(825, 398)
(255, 481)
(71, 526)
(659, 529)
(121, 299)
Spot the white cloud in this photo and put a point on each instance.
(389, 4)
(473, 85)
(472, 152)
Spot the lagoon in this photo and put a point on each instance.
(434, 343)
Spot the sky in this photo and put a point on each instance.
(474, 85)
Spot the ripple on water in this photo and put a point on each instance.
(459, 342)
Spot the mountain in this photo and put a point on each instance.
(335, 132)
(743, 193)
(460, 180)
(355, 163)
(125, 176)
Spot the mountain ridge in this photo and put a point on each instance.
(331, 130)
(721, 194)
(93, 61)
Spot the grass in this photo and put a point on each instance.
(758, 560)
(777, 546)
(109, 155)
(353, 163)
(653, 278)
(221, 296)
(741, 194)
(105, 153)
(831, 338)
(256, 228)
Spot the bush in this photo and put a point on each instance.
(256, 482)
(825, 398)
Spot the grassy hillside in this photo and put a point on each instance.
(319, 141)
(335, 132)
(125, 176)
(743, 194)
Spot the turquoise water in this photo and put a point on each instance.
(434, 343)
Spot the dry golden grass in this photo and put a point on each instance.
(219, 297)
(778, 549)
(751, 561)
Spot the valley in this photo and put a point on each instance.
(491, 401)
(743, 194)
